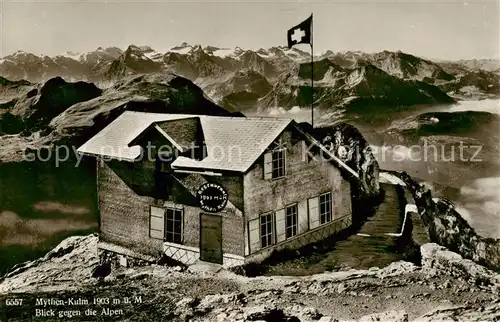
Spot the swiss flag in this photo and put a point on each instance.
(301, 33)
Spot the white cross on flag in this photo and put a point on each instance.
(301, 33)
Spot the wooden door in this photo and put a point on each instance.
(211, 238)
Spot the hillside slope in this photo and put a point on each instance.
(70, 113)
(364, 86)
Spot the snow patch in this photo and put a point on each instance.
(137, 56)
(223, 52)
(19, 53)
(355, 77)
(84, 57)
(182, 51)
(266, 54)
(70, 54)
(154, 55)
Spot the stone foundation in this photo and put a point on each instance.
(119, 256)
(190, 255)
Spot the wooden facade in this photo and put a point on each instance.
(285, 199)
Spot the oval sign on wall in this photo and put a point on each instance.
(212, 197)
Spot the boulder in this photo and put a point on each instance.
(349, 145)
(265, 313)
(438, 257)
(462, 313)
(449, 229)
(388, 316)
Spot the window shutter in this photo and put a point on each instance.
(157, 223)
(313, 212)
(254, 235)
(284, 163)
(335, 212)
(303, 224)
(268, 165)
(280, 225)
(342, 201)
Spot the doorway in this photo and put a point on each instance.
(211, 238)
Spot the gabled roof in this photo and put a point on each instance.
(113, 140)
(232, 143)
(184, 133)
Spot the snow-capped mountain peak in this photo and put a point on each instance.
(182, 49)
(238, 51)
(196, 49)
(19, 53)
(217, 64)
(70, 54)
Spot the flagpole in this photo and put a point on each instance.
(312, 74)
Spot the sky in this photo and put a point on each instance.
(451, 29)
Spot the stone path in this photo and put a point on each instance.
(371, 247)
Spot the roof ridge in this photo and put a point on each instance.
(266, 118)
(263, 118)
(156, 113)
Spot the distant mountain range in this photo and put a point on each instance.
(36, 115)
(238, 79)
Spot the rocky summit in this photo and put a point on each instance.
(438, 290)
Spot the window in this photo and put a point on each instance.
(274, 164)
(325, 207)
(173, 225)
(291, 221)
(266, 230)
(278, 163)
(166, 224)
